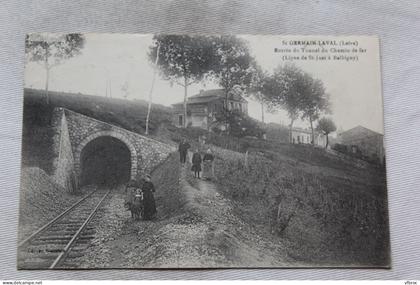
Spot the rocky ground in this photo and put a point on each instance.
(41, 200)
(195, 228)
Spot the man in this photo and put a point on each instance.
(196, 164)
(183, 150)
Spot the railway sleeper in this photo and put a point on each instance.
(43, 255)
(36, 264)
(58, 230)
(60, 237)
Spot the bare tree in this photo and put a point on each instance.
(125, 90)
(149, 107)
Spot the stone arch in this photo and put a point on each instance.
(107, 133)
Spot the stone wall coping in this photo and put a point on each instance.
(113, 126)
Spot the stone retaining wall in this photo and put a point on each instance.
(74, 131)
(63, 163)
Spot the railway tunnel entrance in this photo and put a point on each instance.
(106, 161)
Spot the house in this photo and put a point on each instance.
(303, 136)
(365, 142)
(203, 107)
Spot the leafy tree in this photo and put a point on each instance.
(315, 100)
(298, 93)
(282, 90)
(258, 80)
(51, 50)
(183, 59)
(232, 66)
(326, 126)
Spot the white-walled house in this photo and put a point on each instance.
(303, 136)
(203, 107)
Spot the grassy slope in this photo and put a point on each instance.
(37, 132)
(330, 211)
(40, 200)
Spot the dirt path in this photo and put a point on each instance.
(195, 228)
(225, 237)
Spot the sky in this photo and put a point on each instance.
(110, 61)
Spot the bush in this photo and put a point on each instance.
(339, 147)
(239, 124)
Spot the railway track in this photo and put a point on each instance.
(64, 238)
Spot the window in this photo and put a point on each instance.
(180, 120)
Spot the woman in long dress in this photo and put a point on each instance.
(208, 166)
(149, 200)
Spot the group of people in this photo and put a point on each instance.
(146, 204)
(199, 163)
(139, 192)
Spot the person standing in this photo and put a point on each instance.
(183, 150)
(196, 164)
(149, 200)
(208, 166)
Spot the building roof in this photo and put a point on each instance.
(210, 93)
(306, 131)
(359, 130)
(206, 96)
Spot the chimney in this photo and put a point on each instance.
(201, 91)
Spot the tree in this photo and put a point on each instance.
(50, 50)
(314, 101)
(326, 126)
(125, 90)
(183, 59)
(149, 106)
(282, 90)
(258, 80)
(232, 66)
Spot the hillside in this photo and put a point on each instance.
(128, 114)
(37, 132)
(328, 210)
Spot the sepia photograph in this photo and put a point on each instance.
(179, 151)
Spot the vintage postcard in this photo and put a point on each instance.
(202, 151)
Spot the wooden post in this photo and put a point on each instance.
(246, 159)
